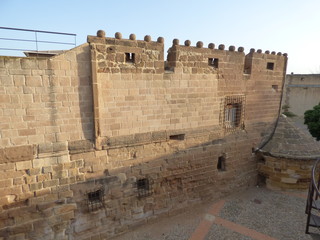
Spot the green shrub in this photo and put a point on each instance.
(312, 120)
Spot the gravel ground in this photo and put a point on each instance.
(178, 227)
(220, 233)
(276, 214)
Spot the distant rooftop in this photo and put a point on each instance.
(48, 53)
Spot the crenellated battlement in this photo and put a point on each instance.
(116, 54)
(146, 56)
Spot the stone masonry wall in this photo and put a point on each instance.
(46, 100)
(108, 135)
(46, 198)
(284, 174)
(302, 92)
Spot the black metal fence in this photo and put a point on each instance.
(28, 40)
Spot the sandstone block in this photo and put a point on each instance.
(42, 192)
(45, 148)
(16, 154)
(43, 162)
(34, 81)
(50, 183)
(6, 183)
(18, 181)
(27, 63)
(6, 80)
(33, 171)
(80, 146)
(59, 174)
(23, 165)
(7, 166)
(63, 159)
(44, 177)
(23, 228)
(289, 180)
(60, 146)
(5, 99)
(67, 216)
(30, 179)
(47, 169)
(36, 186)
(65, 208)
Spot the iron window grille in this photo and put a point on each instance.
(144, 187)
(95, 199)
(232, 113)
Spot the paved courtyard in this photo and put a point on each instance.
(257, 213)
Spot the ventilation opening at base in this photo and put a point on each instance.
(177, 137)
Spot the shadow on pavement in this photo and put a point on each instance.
(315, 236)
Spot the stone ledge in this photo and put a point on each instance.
(80, 146)
(17, 154)
(212, 132)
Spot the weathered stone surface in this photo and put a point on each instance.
(16, 154)
(80, 146)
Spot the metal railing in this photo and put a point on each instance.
(35, 40)
(313, 203)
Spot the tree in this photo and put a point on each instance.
(312, 119)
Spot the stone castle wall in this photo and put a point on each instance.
(109, 135)
(302, 92)
(46, 100)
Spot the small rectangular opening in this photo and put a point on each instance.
(177, 137)
(213, 62)
(130, 58)
(221, 166)
(275, 88)
(270, 65)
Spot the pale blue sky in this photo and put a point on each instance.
(291, 26)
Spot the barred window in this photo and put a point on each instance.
(233, 115)
(144, 187)
(232, 112)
